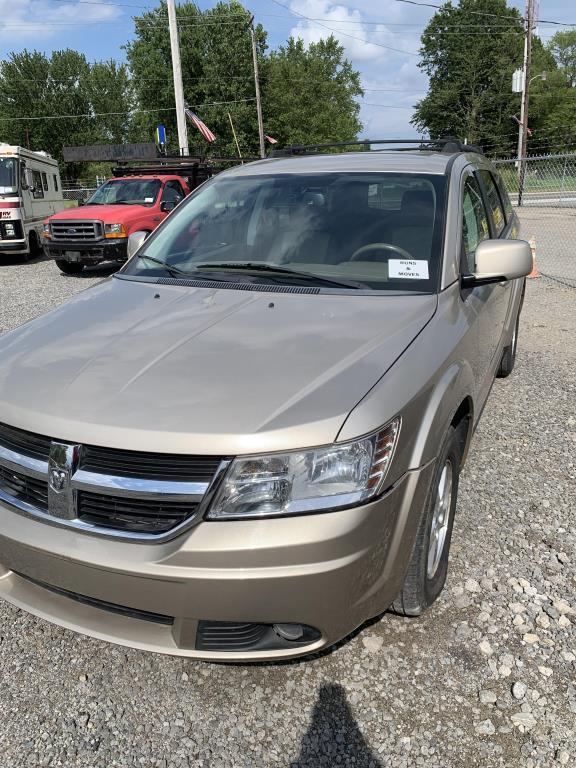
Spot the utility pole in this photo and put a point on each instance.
(523, 130)
(257, 87)
(177, 72)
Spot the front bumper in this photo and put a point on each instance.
(13, 247)
(86, 252)
(331, 571)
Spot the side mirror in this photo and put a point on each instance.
(135, 240)
(81, 202)
(499, 260)
(167, 205)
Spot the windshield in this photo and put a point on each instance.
(126, 192)
(8, 175)
(375, 231)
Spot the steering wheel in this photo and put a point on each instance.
(380, 247)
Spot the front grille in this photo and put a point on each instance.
(132, 613)
(159, 491)
(132, 515)
(76, 230)
(27, 443)
(149, 466)
(29, 490)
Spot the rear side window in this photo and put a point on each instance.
(55, 181)
(475, 227)
(494, 203)
(504, 196)
(45, 182)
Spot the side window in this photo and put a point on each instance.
(504, 197)
(494, 204)
(55, 179)
(172, 192)
(45, 182)
(474, 223)
(38, 191)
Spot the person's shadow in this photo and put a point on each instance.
(332, 734)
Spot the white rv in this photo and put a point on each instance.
(30, 190)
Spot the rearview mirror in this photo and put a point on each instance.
(499, 260)
(135, 240)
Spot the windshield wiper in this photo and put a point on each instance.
(170, 269)
(262, 267)
(175, 271)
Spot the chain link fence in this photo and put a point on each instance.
(546, 205)
(77, 195)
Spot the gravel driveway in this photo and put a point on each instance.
(485, 678)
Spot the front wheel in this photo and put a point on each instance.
(428, 567)
(69, 267)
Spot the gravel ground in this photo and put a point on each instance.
(485, 678)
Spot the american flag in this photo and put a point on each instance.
(202, 127)
(270, 139)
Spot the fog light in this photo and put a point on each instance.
(289, 631)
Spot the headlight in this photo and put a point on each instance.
(10, 231)
(319, 479)
(114, 230)
(46, 230)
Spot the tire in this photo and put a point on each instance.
(428, 567)
(34, 247)
(509, 355)
(69, 267)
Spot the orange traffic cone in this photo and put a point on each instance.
(534, 272)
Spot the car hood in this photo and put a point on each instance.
(170, 368)
(111, 214)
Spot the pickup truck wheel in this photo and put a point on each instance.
(428, 567)
(69, 267)
(509, 355)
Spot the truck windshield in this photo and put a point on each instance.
(126, 192)
(8, 175)
(381, 231)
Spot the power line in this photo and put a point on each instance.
(130, 112)
(494, 15)
(346, 34)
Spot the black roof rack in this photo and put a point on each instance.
(195, 169)
(447, 144)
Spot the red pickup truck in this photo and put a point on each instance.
(99, 230)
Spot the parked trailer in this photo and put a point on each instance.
(30, 190)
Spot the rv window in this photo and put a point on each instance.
(45, 182)
(37, 191)
(8, 182)
(55, 182)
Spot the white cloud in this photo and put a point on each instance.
(368, 32)
(34, 20)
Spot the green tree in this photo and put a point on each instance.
(217, 74)
(310, 93)
(469, 53)
(46, 103)
(562, 46)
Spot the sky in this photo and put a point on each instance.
(381, 39)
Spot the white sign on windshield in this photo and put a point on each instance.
(408, 268)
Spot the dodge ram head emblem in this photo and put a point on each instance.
(59, 479)
(62, 463)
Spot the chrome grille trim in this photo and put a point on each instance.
(74, 230)
(198, 494)
(134, 487)
(18, 461)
